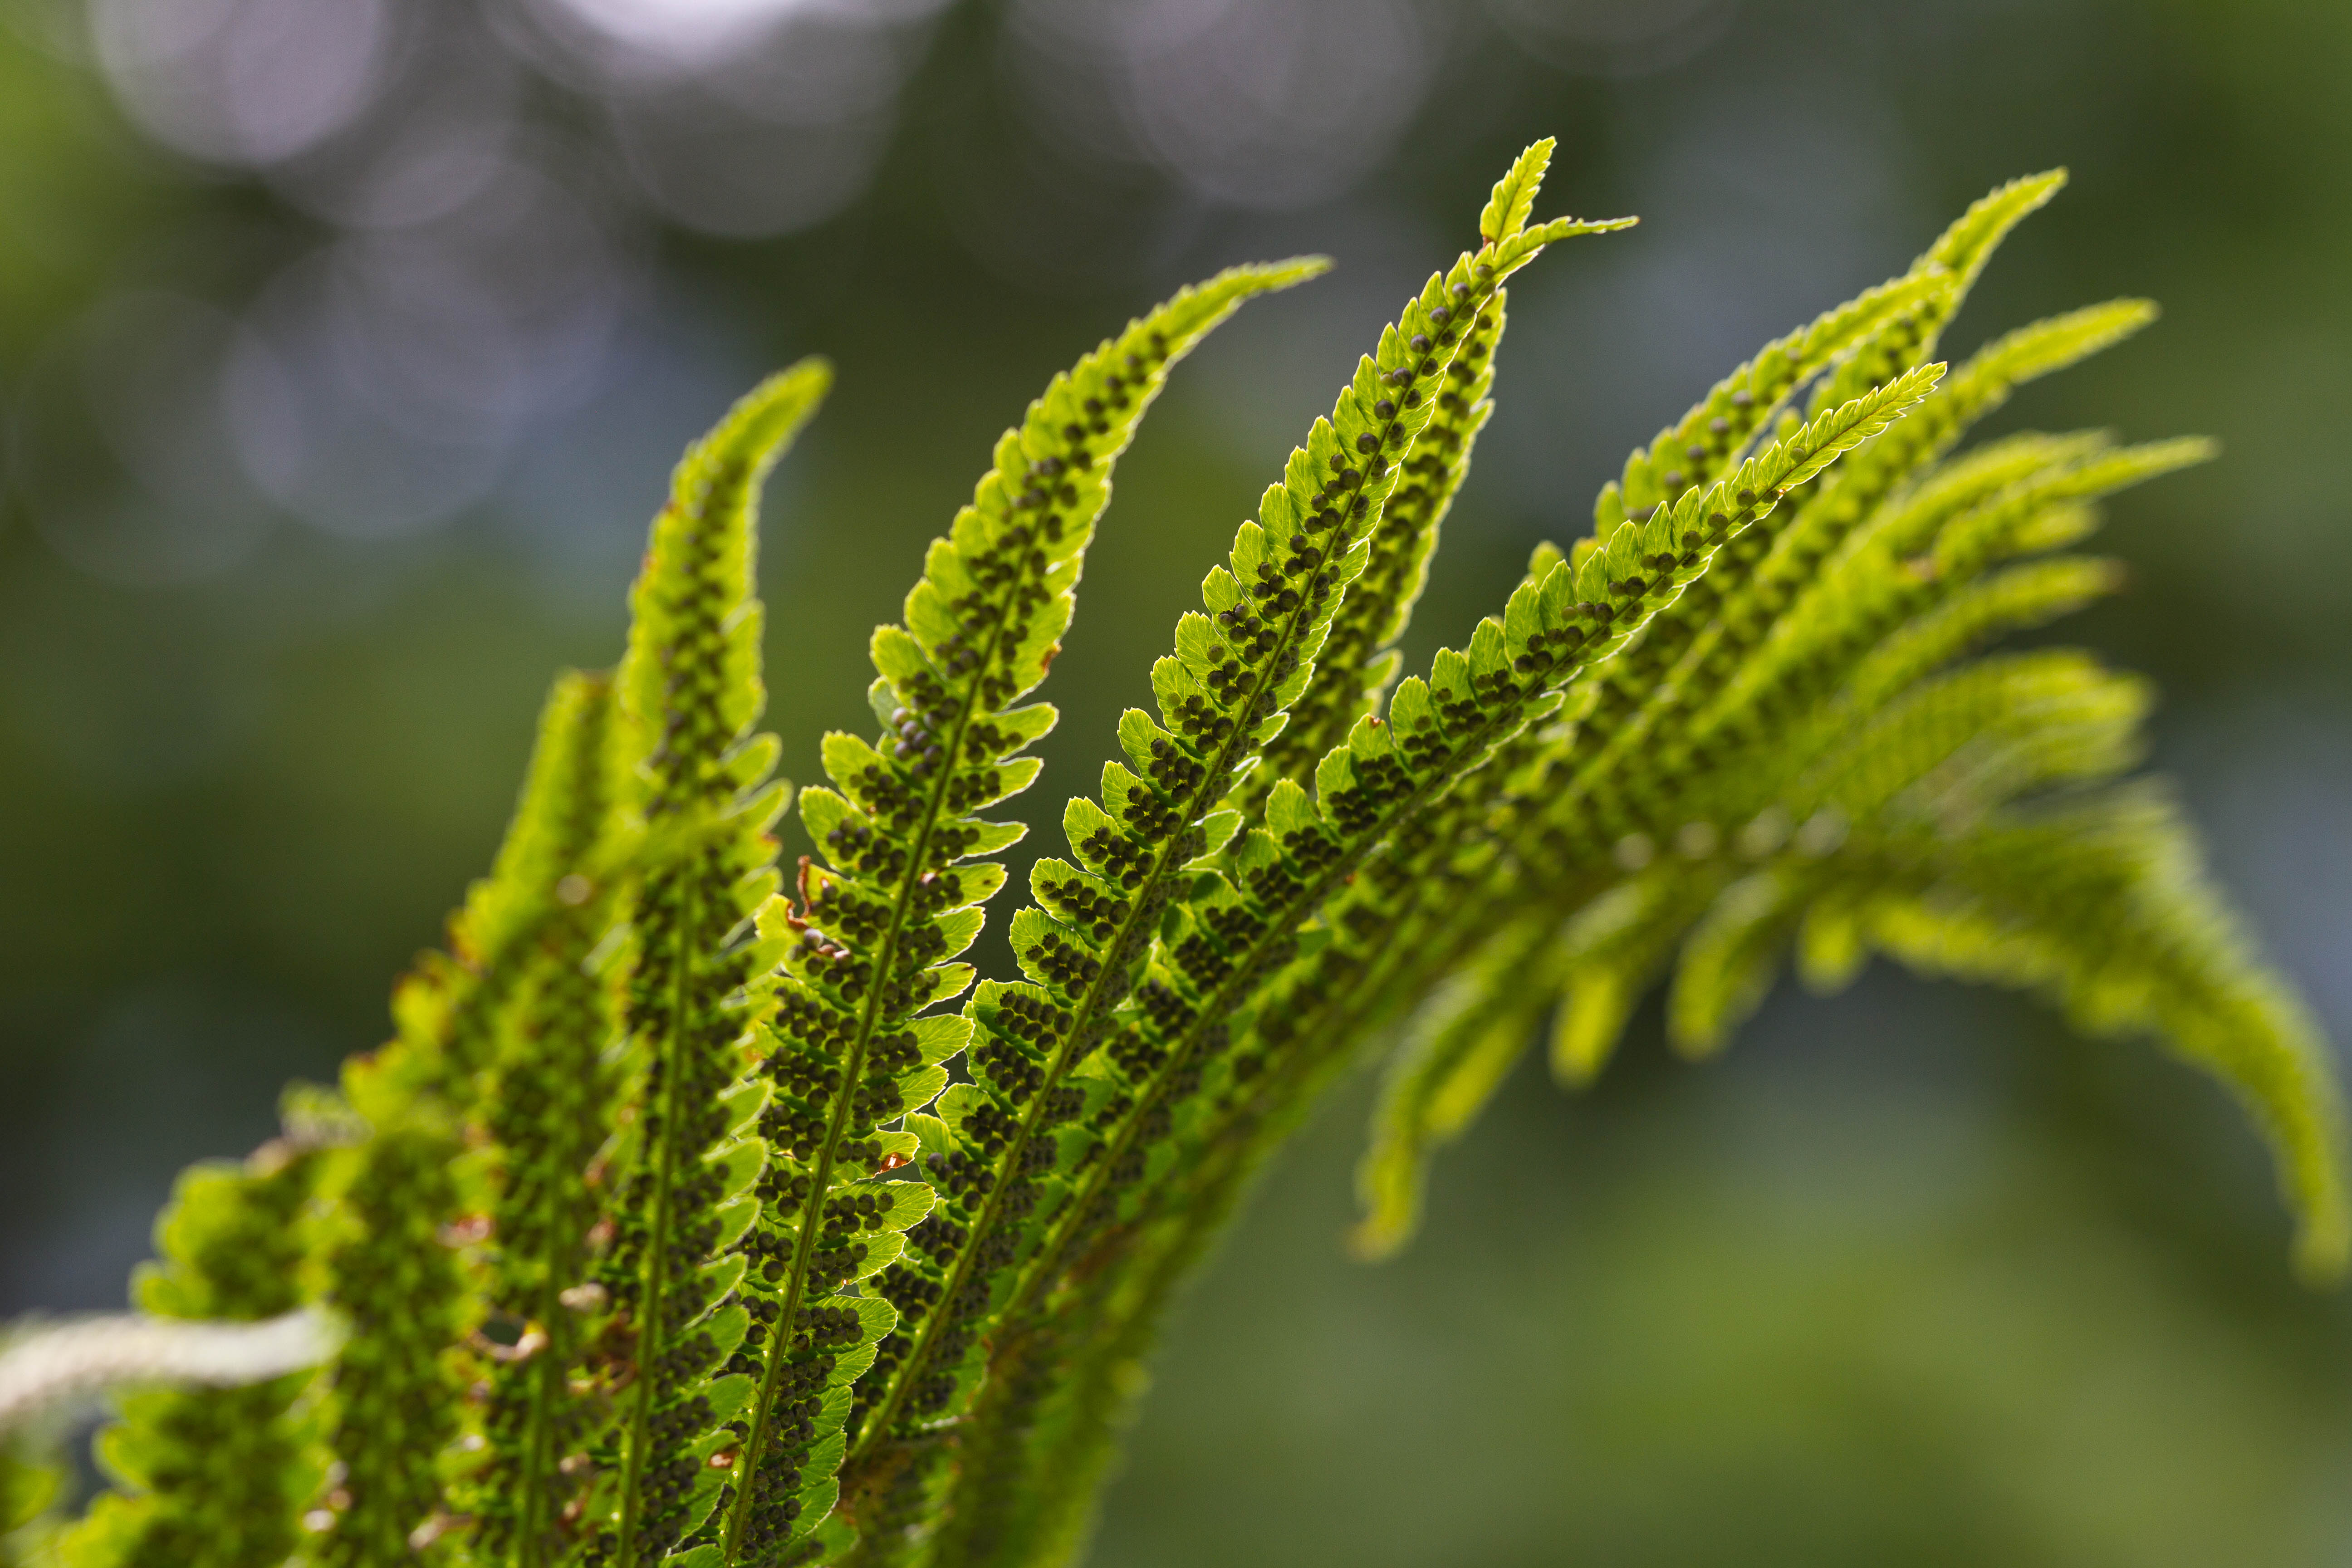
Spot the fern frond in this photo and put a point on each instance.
(1694, 451)
(1880, 599)
(1474, 1028)
(1947, 753)
(393, 1274)
(1611, 780)
(873, 945)
(1979, 386)
(1879, 330)
(1962, 251)
(1357, 661)
(548, 1114)
(214, 1477)
(2105, 908)
(1487, 1031)
(1220, 946)
(2015, 600)
(680, 1225)
(1966, 247)
(690, 691)
(1864, 344)
(1223, 697)
(1433, 736)
(1355, 664)
(1634, 749)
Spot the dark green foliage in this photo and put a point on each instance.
(679, 1221)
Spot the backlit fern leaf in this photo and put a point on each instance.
(1438, 730)
(213, 1477)
(1588, 795)
(690, 690)
(2103, 906)
(675, 1226)
(873, 945)
(1226, 694)
(1356, 663)
(1905, 590)
(547, 1113)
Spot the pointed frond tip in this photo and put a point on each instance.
(1507, 211)
(1970, 243)
(2107, 907)
(690, 679)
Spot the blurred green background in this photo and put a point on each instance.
(343, 348)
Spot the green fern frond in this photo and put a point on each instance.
(1694, 452)
(1482, 1038)
(214, 1477)
(690, 690)
(1224, 695)
(1881, 599)
(1239, 928)
(873, 945)
(1978, 387)
(1861, 345)
(1873, 332)
(679, 1224)
(547, 1114)
(1968, 244)
(1607, 783)
(1649, 751)
(2103, 906)
(1357, 662)
(2018, 599)
(1962, 252)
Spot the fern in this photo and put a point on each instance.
(215, 1476)
(683, 1220)
(546, 1116)
(1014, 1171)
(1436, 731)
(878, 931)
(690, 690)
